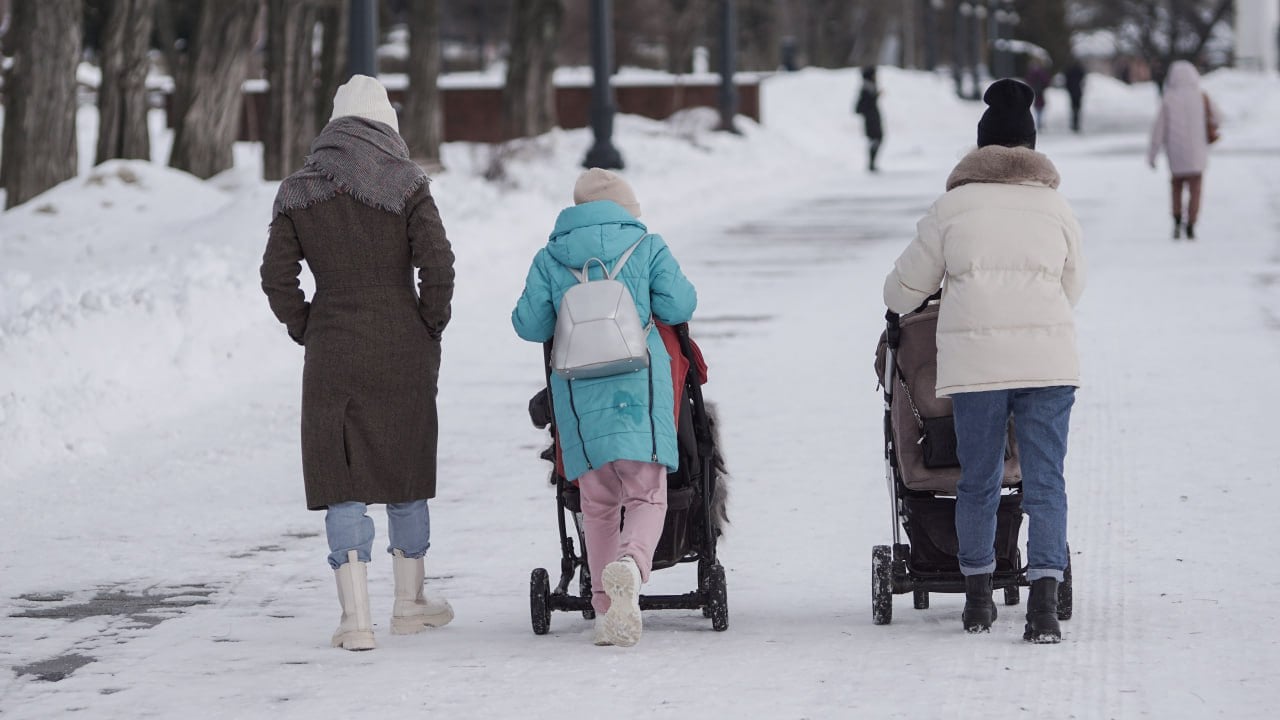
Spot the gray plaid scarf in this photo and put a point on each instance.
(365, 159)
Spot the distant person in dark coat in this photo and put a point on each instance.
(868, 108)
(1038, 77)
(1075, 89)
(361, 216)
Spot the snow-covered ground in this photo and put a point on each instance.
(159, 560)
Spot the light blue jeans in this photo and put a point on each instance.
(349, 528)
(1041, 417)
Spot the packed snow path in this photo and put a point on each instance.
(173, 571)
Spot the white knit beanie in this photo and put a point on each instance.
(597, 184)
(364, 97)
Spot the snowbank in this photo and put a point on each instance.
(131, 291)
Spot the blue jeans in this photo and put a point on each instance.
(1041, 417)
(349, 528)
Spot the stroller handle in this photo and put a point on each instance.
(893, 320)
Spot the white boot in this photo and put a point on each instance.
(413, 611)
(623, 624)
(355, 632)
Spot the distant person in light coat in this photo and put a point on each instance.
(1182, 129)
(1004, 246)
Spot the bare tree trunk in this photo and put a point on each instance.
(528, 100)
(213, 74)
(40, 99)
(830, 32)
(759, 39)
(122, 95)
(291, 94)
(421, 122)
(687, 21)
(333, 57)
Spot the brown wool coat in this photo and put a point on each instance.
(372, 344)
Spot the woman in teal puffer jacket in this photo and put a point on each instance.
(617, 434)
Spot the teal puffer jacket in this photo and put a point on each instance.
(609, 418)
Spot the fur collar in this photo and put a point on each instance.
(1008, 166)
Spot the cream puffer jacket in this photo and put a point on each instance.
(1008, 246)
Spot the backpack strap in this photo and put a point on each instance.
(617, 268)
(581, 276)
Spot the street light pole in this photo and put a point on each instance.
(602, 154)
(728, 62)
(931, 10)
(994, 63)
(362, 38)
(959, 17)
(975, 49)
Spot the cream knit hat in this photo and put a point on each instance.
(598, 184)
(364, 97)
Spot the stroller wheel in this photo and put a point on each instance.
(1012, 595)
(920, 598)
(718, 598)
(584, 591)
(1064, 591)
(540, 601)
(881, 585)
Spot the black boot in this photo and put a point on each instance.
(1042, 612)
(979, 609)
(1177, 226)
(1191, 231)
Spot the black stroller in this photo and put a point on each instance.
(922, 472)
(693, 522)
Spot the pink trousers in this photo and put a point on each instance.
(641, 488)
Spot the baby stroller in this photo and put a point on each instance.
(922, 473)
(695, 507)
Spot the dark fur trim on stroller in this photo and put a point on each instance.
(720, 502)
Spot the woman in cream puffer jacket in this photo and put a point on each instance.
(1008, 247)
(1004, 247)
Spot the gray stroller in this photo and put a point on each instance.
(922, 473)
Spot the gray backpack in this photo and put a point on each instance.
(598, 330)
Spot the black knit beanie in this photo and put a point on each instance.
(1008, 120)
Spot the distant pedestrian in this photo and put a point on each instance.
(1074, 77)
(1039, 78)
(869, 108)
(1004, 246)
(360, 214)
(1185, 126)
(617, 433)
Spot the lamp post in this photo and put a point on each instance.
(602, 154)
(975, 49)
(1005, 19)
(728, 62)
(959, 54)
(932, 9)
(362, 38)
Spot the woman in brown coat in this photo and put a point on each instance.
(362, 217)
